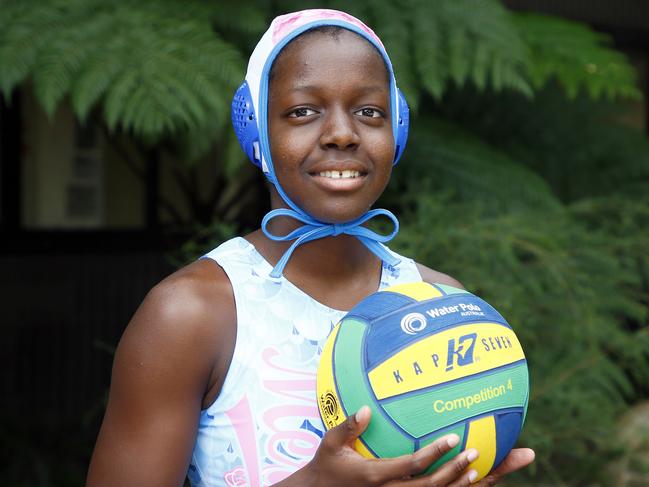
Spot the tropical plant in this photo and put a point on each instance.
(160, 68)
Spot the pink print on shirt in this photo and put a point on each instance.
(244, 426)
(289, 449)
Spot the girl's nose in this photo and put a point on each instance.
(339, 130)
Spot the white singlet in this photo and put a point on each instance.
(265, 423)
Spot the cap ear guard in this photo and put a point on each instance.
(244, 122)
(403, 124)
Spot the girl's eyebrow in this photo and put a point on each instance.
(366, 89)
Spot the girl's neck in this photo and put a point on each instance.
(336, 271)
(329, 258)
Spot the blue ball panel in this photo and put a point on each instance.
(375, 305)
(508, 427)
(387, 334)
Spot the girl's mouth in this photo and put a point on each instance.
(339, 179)
(339, 174)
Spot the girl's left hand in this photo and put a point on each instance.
(518, 458)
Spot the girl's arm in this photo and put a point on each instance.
(172, 355)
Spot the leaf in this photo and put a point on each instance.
(578, 57)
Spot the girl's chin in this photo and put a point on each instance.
(336, 215)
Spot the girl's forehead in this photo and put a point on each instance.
(326, 49)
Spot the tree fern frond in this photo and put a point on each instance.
(360, 10)
(116, 98)
(220, 60)
(458, 56)
(480, 67)
(89, 45)
(59, 62)
(27, 27)
(94, 80)
(393, 25)
(466, 41)
(541, 277)
(450, 158)
(577, 146)
(239, 16)
(428, 52)
(577, 56)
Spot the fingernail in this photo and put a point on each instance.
(472, 455)
(472, 475)
(453, 440)
(360, 413)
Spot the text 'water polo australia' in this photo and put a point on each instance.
(429, 360)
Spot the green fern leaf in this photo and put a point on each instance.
(444, 156)
(578, 57)
(116, 98)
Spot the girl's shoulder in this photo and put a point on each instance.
(169, 364)
(188, 320)
(191, 295)
(435, 277)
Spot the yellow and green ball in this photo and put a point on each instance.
(429, 360)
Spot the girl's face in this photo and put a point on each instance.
(329, 125)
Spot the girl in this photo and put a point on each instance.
(215, 374)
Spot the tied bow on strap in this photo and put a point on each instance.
(314, 229)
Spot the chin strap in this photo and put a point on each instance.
(314, 229)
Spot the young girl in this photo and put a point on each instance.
(215, 375)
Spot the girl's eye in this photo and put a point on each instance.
(301, 112)
(369, 112)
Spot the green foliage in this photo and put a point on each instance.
(157, 67)
(444, 155)
(466, 41)
(162, 69)
(435, 44)
(564, 291)
(203, 240)
(578, 146)
(575, 55)
(540, 207)
(632, 468)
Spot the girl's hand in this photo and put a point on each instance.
(517, 459)
(337, 463)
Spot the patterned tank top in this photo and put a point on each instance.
(265, 423)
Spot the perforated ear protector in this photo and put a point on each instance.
(245, 124)
(403, 124)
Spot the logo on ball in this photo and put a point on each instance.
(329, 406)
(413, 323)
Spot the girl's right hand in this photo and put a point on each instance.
(336, 463)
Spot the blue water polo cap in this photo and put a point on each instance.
(250, 117)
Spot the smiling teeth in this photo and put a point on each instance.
(339, 174)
